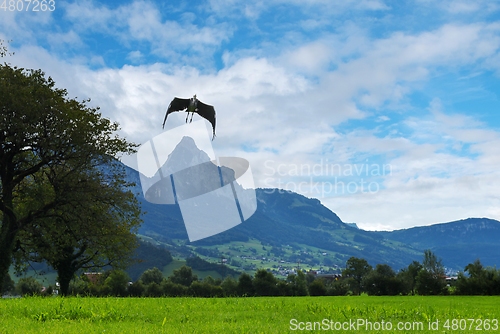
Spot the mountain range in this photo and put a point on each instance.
(289, 227)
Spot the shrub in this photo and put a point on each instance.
(153, 290)
(229, 287)
(136, 289)
(317, 288)
(171, 289)
(117, 282)
(28, 286)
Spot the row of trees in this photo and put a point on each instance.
(479, 281)
(426, 278)
(63, 196)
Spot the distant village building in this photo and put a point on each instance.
(93, 277)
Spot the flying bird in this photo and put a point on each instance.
(192, 105)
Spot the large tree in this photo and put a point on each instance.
(93, 229)
(53, 152)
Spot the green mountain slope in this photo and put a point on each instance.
(282, 218)
(458, 243)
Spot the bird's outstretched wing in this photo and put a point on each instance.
(208, 112)
(177, 104)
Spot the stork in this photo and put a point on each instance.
(192, 105)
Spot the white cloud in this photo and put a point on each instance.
(135, 56)
(65, 40)
(312, 58)
(462, 7)
(142, 21)
(291, 101)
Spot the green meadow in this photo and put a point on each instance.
(413, 314)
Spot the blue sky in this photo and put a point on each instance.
(341, 85)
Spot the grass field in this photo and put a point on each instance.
(250, 315)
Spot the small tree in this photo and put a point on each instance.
(431, 278)
(408, 277)
(298, 283)
(264, 283)
(152, 275)
(245, 285)
(301, 284)
(356, 269)
(382, 281)
(230, 287)
(184, 276)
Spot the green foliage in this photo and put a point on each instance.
(153, 290)
(265, 284)
(184, 276)
(3, 49)
(356, 269)
(28, 286)
(209, 280)
(229, 287)
(431, 278)
(297, 284)
(136, 289)
(78, 287)
(245, 285)
(301, 284)
(317, 288)
(284, 288)
(480, 281)
(408, 277)
(432, 264)
(337, 288)
(204, 289)
(148, 256)
(427, 284)
(152, 275)
(382, 281)
(64, 199)
(117, 282)
(171, 289)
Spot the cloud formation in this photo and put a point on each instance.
(410, 85)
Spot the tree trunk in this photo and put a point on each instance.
(64, 277)
(66, 270)
(8, 232)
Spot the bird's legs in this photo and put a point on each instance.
(187, 116)
(192, 114)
